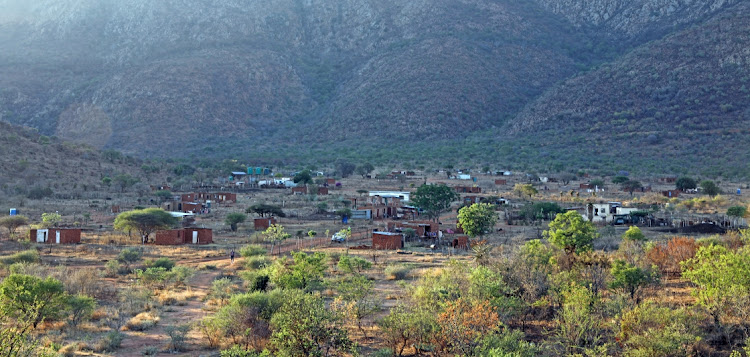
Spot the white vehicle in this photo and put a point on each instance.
(338, 237)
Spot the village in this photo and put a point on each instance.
(371, 217)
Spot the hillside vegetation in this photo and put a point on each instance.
(290, 80)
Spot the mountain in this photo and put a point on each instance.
(681, 104)
(309, 80)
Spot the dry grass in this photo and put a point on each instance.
(141, 322)
(178, 298)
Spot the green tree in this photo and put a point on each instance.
(352, 264)
(631, 186)
(525, 189)
(356, 293)
(722, 278)
(364, 169)
(233, 219)
(541, 210)
(275, 233)
(710, 188)
(306, 272)
(597, 183)
(106, 181)
(477, 219)
(571, 233)
(11, 223)
(304, 327)
(16, 339)
(434, 199)
(685, 183)
(345, 168)
(629, 278)
(303, 177)
(734, 211)
(51, 219)
(263, 210)
(144, 221)
(125, 181)
(634, 234)
(163, 195)
(29, 296)
(619, 179)
(129, 256)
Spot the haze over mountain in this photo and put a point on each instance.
(363, 78)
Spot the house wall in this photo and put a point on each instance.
(205, 235)
(387, 241)
(170, 237)
(262, 224)
(67, 235)
(323, 191)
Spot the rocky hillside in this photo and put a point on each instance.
(312, 79)
(38, 166)
(680, 103)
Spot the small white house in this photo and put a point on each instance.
(403, 196)
(464, 177)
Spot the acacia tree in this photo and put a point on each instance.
(631, 186)
(710, 188)
(263, 210)
(434, 199)
(144, 221)
(477, 219)
(571, 233)
(303, 177)
(12, 223)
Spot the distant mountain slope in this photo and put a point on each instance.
(30, 161)
(177, 77)
(634, 19)
(680, 103)
(315, 79)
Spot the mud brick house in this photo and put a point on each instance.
(387, 240)
(322, 190)
(671, 193)
(501, 182)
(424, 229)
(461, 242)
(219, 197)
(56, 235)
(468, 189)
(301, 190)
(184, 236)
(261, 224)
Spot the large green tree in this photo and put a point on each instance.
(434, 199)
(571, 233)
(304, 327)
(364, 169)
(144, 221)
(525, 189)
(303, 177)
(685, 183)
(233, 219)
(710, 188)
(477, 219)
(631, 186)
(32, 297)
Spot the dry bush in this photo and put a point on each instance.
(142, 322)
(667, 256)
(179, 298)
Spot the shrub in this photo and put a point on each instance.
(32, 297)
(222, 289)
(252, 250)
(398, 272)
(629, 278)
(177, 336)
(81, 308)
(165, 263)
(129, 256)
(350, 264)
(142, 322)
(257, 262)
(150, 351)
(27, 256)
(634, 234)
(110, 342)
(667, 256)
(113, 268)
(650, 330)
